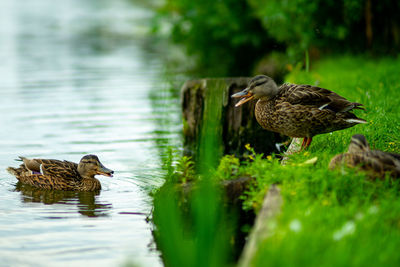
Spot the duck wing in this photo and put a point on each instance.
(318, 97)
(59, 169)
(394, 155)
(378, 162)
(386, 159)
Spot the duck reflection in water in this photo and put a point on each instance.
(85, 201)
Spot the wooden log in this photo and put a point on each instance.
(262, 227)
(271, 207)
(238, 125)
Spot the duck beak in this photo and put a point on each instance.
(105, 171)
(245, 96)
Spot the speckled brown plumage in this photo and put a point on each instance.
(292, 113)
(61, 175)
(375, 163)
(299, 110)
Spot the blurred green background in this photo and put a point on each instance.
(231, 37)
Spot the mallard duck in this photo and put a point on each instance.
(61, 175)
(298, 110)
(375, 162)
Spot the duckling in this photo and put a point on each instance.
(61, 175)
(375, 162)
(298, 110)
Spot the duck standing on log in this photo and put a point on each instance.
(298, 110)
(375, 163)
(61, 175)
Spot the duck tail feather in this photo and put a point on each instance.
(20, 158)
(358, 120)
(12, 171)
(358, 106)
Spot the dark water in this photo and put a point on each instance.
(76, 78)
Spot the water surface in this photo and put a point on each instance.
(76, 77)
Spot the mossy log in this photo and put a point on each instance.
(263, 225)
(271, 207)
(238, 125)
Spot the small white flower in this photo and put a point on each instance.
(359, 216)
(347, 229)
(373, 210)
(295, 225)
(308, 212)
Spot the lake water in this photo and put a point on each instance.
(76, 78)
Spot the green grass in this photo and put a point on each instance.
(329, 218)
(337, 218)
(373, 83)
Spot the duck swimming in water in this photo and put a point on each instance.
(61, 175)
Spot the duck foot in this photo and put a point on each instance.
(306, 143)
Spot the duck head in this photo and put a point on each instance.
(260, 86)
(90, 165)
(358, 144)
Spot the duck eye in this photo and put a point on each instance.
(258, 83)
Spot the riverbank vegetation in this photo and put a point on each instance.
(338, 217)
(334, 217)
(372, 83)
(328, 217)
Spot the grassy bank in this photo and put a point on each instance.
(336, 218)
(328, 217)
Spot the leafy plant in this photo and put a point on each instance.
(228, 168)
(185, 169)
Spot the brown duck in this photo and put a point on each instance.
(375, 162)
(298, 110)
(61, 175)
